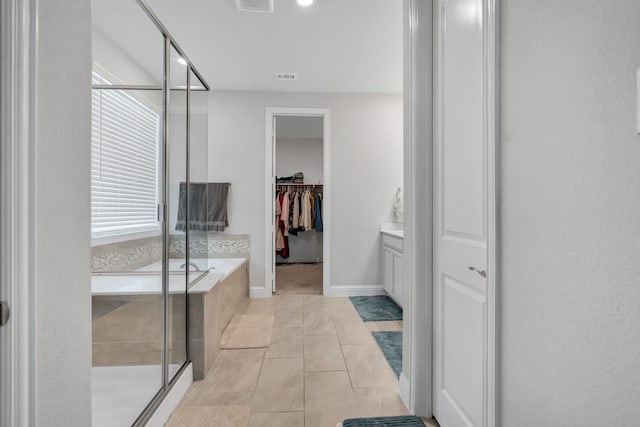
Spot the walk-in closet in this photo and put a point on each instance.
(298, 204)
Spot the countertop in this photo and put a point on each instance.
(396, 233)
(392, 229)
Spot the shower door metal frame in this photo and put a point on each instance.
(169, 43)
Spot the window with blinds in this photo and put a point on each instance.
(124, 163)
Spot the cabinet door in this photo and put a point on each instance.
(397, 279)
(387, 271)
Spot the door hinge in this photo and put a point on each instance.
(4, 313)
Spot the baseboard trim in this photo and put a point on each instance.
(172, 399)
(405, 391)
(355, 291)
(259, 292)
(334, 291)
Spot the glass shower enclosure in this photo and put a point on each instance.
(149, 144)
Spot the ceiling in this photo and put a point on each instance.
(333, 46)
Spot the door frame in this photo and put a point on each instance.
(18, 19)
(419, 180)
(270, 146)
(415, 379)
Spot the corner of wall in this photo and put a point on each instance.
(259, 292)
(405, 392)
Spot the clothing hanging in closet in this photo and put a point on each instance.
(296, 210)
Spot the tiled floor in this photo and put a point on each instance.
(321, 367)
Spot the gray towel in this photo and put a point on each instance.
(207, 206)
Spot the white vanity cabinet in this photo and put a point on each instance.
(392, 247)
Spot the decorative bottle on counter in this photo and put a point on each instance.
(398, 208)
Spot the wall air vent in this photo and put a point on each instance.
(265, 6)
(286, 76)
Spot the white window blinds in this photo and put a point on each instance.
(124, 163)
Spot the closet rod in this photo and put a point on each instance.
(299, 185)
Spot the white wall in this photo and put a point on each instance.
(298, 155)
(571, 214)
(61, 259)
(366, 168)
(178, 152)
(124, 69)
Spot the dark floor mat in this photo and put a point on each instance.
(401, 421)
(390, 342)
(378, 308)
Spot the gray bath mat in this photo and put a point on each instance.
(377, 308)
(390, 342)
(401, 421)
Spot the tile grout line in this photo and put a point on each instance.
(344, 359)
(256, 388)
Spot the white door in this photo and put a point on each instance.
(463, 144)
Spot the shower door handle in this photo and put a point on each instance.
(162, 212)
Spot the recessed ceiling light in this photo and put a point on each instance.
(182, 61)
(305, 2)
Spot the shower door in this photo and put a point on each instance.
(180, 269)
(198, 154)
(144, 253)
(127, 174)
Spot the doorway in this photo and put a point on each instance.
(299, 229)
(297, 177)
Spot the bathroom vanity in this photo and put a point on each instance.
(392, 250)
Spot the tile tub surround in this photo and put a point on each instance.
(127, 326)
(134, 254)
(129, 335)
(210, 313)
(216, 245)
(126, 256)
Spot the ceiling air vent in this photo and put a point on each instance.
(286, 76)
(255, 5)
